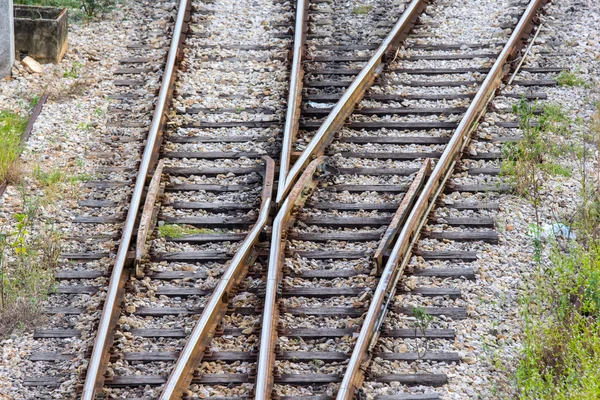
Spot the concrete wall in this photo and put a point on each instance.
(44, 39)
(7, 42)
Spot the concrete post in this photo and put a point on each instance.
(7, 37)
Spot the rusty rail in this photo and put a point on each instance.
(401, 252)
(401, 214)
(148, 218)
(344, 107)
(191, 355)
(94, 380)
(283, 221)
(292, 116)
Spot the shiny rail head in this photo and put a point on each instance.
(192, 354)
(96, 368)
(284, 220)
(292, 117)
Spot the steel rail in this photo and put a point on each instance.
(283, 221)
(96, 368)
(401, 252)
(353, 95)
(401, 214)
(292, 116)
(190, 357)
(148, 218)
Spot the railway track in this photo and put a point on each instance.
(337, 313)
(211, 180)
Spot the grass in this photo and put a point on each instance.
(29, 255)
(55, 180)
(562, 328)
(569, 78)
(535, 157)
(175, 231)
(56, 176)
(555, 119)
(362, 10)
(560, 303)
(74, 71)
(12, 127)
(50, 178)
(556, 169)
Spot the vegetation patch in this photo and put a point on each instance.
(570, 78)
(28, 258)
(560, 304)
(175, 231)
(74, 71)
(562, 327)
(12, 127)
(361, 10)
(528, 163)
(554, 119)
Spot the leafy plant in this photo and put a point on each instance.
(12, 126)
(569, 78)
(361, 10)
(28, 257)
(523, 160)
(422, 321)
(92, 8)
(74, 71)
(175, 231)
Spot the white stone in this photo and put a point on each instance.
(32, 65)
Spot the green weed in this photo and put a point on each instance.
(422, 321)
(560, 305)
(28, 257)
(50, 178)
(84, 126)
(12, 127)
(361, 10)
(92, 8)
(176, 231)
(562, 330)
(554, 119)
(522, 160)
(34, 101)
(569, 78)
(556, 169)
(74, 71)
(529, 162)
